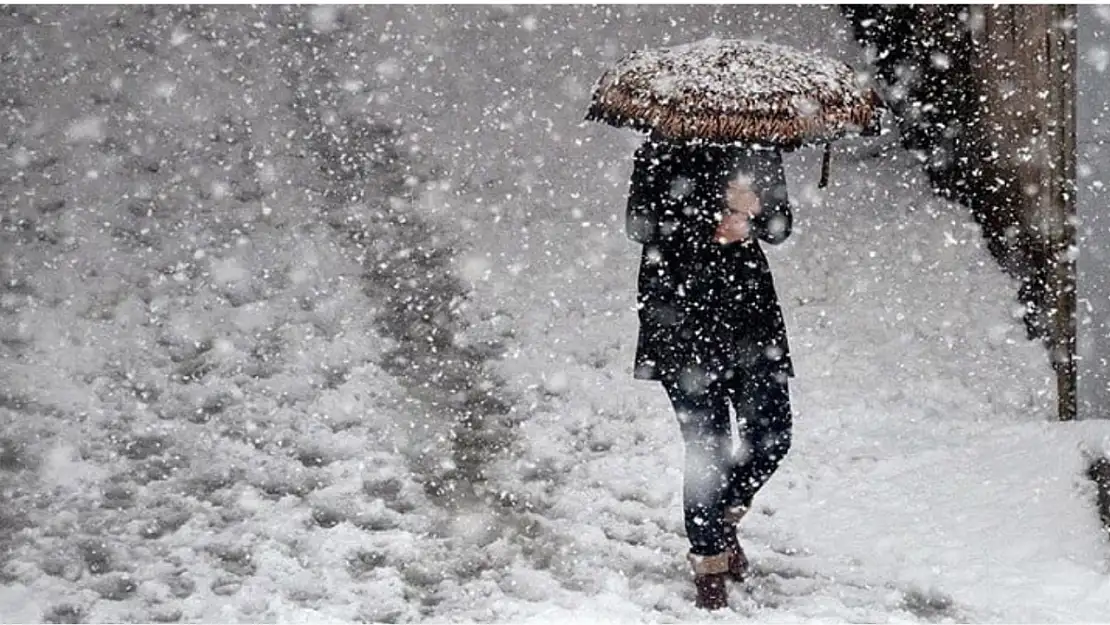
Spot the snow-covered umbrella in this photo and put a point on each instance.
(736, 91)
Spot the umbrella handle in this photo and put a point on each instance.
(825, 167)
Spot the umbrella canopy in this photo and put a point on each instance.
(729, 90)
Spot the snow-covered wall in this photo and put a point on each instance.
(1094, 231)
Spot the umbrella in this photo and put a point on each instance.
(736, 91)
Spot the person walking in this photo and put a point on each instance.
(712, 332)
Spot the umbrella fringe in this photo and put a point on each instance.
(777, 123)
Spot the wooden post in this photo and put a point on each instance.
(1062, 47)
(1025, 71)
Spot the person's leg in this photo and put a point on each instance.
(703, 418)
(762, 404)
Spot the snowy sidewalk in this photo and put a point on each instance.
(205, 420)
(925, 482)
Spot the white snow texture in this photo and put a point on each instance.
(326, 314)
(723, 72)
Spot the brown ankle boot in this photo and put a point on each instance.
(737, 559)
(710, 573)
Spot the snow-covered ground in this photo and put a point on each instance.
(217, 281)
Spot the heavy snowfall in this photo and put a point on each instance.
(327, 314)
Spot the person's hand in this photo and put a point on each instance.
(743, 204)
(732, 228)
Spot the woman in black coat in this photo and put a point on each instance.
(711, 329)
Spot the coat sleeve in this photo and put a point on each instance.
(649, 191)
(774, 223)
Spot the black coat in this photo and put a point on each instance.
(707, 311)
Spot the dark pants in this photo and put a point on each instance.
(715, 476)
